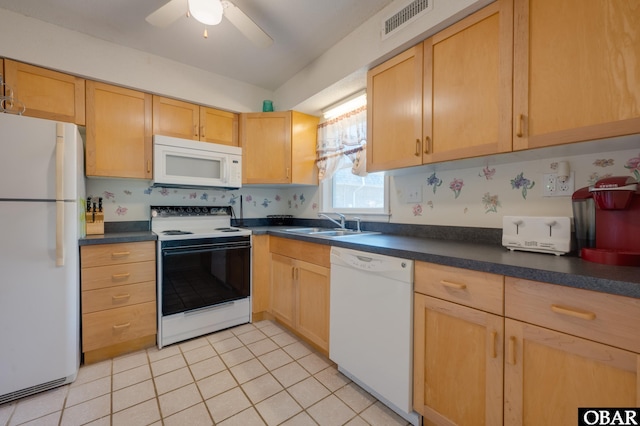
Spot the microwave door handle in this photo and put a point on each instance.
(225, 170)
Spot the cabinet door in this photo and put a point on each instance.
(282, 289)
(312, 313)
(458, 363)
(260, 280)
(394, 112)
(304, 140)
(548, 375)
(575, 71)
(218, 126)
(470, 84)
(46, 94)
(119, 134)
(175, 118)
(266, 147)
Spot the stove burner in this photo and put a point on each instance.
(227, 229)
(176, 232)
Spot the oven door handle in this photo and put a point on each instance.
(172, 251)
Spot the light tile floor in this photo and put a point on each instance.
(253, 374)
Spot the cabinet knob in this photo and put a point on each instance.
(417, 154)
(427, 142)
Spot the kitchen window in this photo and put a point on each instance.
(345, 186)
(347, 193)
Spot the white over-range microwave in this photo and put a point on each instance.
(186, 163)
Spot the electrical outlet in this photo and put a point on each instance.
(553, 187)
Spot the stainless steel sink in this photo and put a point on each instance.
(308, 230)
(329, 232)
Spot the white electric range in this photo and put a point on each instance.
(203, 271)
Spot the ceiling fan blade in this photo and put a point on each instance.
(167, 14)
(246, 26)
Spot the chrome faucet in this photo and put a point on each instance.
(357, 219)
(340, 224)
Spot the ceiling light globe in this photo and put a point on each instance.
(209, 12)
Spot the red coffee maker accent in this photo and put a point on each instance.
(617, 213)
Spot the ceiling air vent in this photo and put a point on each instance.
(404, 16)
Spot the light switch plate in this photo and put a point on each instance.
(413, 194)
(543, 234)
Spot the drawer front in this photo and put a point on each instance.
(480, 290)
(605, 318)
(113, 254)
(113, 326)
(117, 275)
(318, 254)
(116, 297)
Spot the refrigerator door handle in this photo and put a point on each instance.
(59, 194)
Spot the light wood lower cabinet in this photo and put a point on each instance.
(458, 356)
(558, 349)
(118, 293)
(300, 276)
(567, 348)
(260, 277)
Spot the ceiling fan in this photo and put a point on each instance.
(210, 12)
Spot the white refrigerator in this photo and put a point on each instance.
(41, 193)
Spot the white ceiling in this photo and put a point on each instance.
(302, 30)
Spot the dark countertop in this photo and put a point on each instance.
(117, 237)
(564, 270)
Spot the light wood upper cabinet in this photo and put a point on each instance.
(180, 119)
(394, 112)
(175, 118)
(279, 148)
(119, 132)
(218, 126)
(576, 71)
(467, 79)
(446, 98)
(45, 93)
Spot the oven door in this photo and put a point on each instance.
(201, 273)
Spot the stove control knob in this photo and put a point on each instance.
(154, 213)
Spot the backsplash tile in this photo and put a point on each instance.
(471, 197)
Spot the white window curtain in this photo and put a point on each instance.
(342, 141)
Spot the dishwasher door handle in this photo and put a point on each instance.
(364, 258)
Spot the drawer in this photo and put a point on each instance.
(318, 254)
(605, 318)
(117, 275)
(112, 254)
(116, 297)
(113, 326)
(480, 290)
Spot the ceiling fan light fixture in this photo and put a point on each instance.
(209, 12)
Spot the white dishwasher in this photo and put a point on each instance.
(371, 322)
